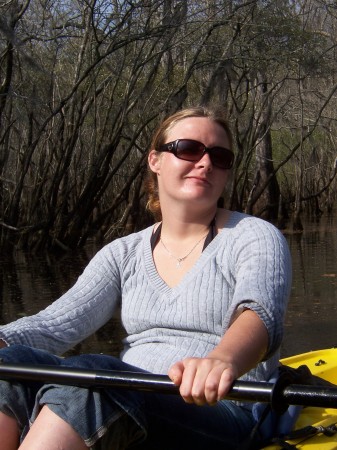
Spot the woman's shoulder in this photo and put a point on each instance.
(120, 248)
(242, 229)
(131, 240)
(239, 221)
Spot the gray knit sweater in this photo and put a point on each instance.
(246, 265)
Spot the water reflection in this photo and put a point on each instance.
(312, 313)
(29, 283)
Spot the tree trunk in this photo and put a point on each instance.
(264, 201)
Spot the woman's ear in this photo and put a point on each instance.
(154, 160)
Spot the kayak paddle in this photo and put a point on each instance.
(280, 394)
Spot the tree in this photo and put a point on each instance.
(84, 84)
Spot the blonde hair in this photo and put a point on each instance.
(216, 114)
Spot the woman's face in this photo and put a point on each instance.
(199, 182)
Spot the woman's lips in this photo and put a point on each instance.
(200, 180)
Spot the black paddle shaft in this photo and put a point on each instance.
(280, 394)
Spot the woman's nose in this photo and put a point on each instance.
(205, 161)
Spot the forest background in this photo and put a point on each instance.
(83, 85)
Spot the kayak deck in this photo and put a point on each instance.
(322, 363)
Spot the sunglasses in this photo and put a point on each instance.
(190, 150)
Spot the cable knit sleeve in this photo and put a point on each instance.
(88, 305)
(262, 269)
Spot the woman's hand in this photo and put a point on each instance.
(203, 380)
(208, 380)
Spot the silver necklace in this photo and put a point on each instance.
(182, 259)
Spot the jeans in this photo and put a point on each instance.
(112, 418)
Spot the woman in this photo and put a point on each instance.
(203, 295)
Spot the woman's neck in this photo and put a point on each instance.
(186, 225)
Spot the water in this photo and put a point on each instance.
(311, 320)
(29, 283)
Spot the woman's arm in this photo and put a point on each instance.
(208, 380)
(260, 267)
(83, 309)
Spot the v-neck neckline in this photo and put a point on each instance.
(157, 280)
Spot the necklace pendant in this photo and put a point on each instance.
(180, 260)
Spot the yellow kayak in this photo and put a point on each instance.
(322, 363)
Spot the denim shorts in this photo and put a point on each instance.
(112, 418)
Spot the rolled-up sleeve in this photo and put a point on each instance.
(263, 276)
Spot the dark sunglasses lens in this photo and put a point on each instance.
(189, 150)
(221, 157)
